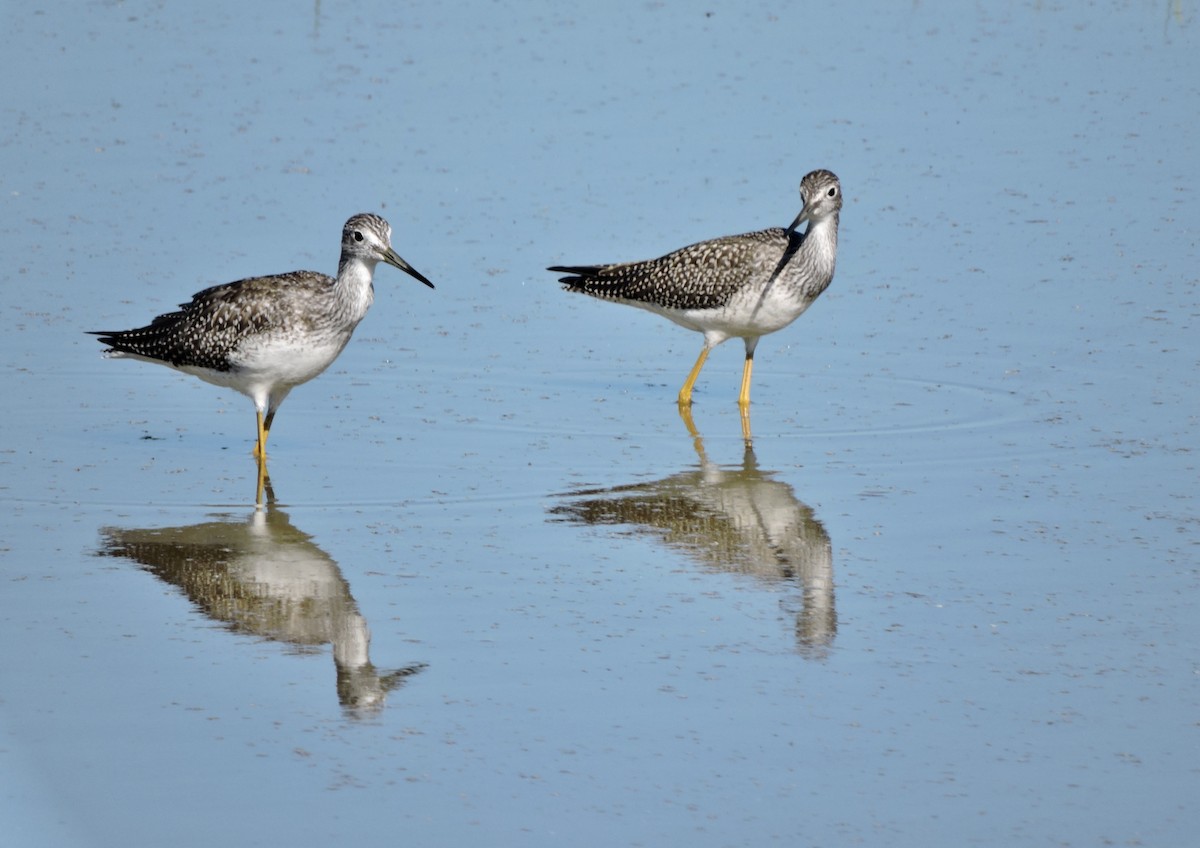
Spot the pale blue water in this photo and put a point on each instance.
(948, 598)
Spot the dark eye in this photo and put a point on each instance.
(832, 192)
(358, 236)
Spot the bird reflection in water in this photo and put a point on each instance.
(264, 577)
(732, 519)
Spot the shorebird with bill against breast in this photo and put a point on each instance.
(742, 286)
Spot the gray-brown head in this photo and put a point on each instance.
(821, 194)
(367, 238)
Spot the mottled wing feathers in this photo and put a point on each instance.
(705, 275)
(207, 329)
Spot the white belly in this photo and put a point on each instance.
(271, 366)
(748, 315)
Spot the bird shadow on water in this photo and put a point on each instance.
(735, 519)
(264, 577)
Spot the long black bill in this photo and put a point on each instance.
(393, 258)
(800, 219)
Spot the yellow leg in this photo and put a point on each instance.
(744, 394)
(262, 481)
(264, 430)
(685, 413)
(685, 394)
(263, 494)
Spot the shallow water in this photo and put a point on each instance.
(502, 593)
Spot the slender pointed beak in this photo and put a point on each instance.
(800, 219)
(391, 257)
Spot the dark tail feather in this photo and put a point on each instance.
(578, 270)
(106, 337)
(579, 273)
(120, 341)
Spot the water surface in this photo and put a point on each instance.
(502, 593)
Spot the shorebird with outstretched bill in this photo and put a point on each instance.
(263, 336)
